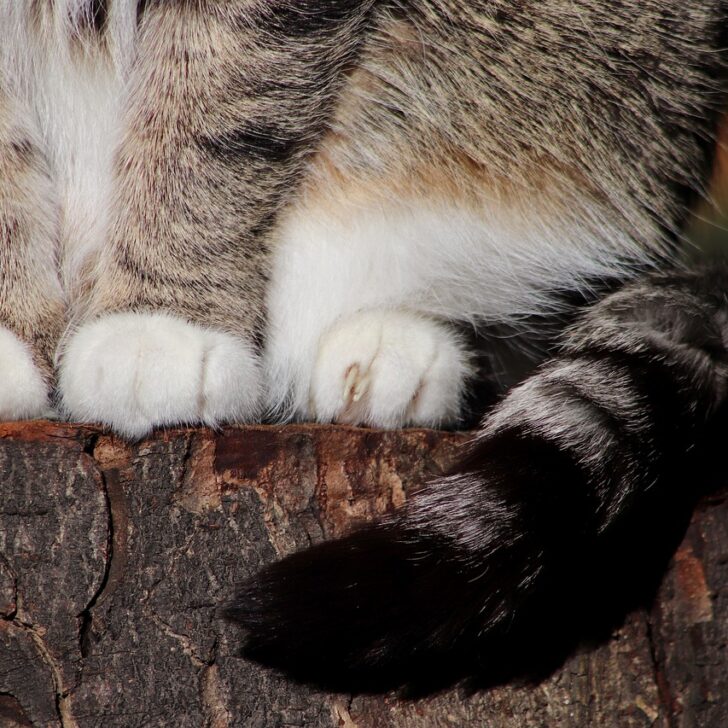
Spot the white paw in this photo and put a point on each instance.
(389, 369)
(23, 393)
(138, 371)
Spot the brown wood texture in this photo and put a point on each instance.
(113, 558)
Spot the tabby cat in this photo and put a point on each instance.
(216, 211)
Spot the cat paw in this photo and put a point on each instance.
(389, 369)
(23, 393)
(134, 372)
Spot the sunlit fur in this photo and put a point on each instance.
(217, 211)
(562, 510)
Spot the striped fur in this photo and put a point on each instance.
(184, 139)
(553, 492)
(208, 208)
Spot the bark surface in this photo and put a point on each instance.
(113, 558)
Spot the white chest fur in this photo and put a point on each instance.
(69, 85)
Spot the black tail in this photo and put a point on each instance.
(567, 483)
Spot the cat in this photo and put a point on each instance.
(214, 212)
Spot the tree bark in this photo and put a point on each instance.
(114, 557)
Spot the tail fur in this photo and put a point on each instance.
(566, 482)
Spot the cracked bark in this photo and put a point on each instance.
(113, 558)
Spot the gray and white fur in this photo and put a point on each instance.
(214, 210)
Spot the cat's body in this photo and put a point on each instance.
(211, 210)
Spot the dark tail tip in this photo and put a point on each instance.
(366, 613)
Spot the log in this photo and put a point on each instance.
(114, 557)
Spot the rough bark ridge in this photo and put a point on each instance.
(114, 556)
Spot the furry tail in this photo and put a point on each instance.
(568, 471)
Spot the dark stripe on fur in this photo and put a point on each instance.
(141, 9)
(303, 19)
(260, 141)
(98, 15)
(547, 506)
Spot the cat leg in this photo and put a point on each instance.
(209, 154)
(32, 307)
(355, 334)
(159, 333)
(356, 267)
(165, 334)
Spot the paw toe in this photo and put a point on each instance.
(23, 392)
